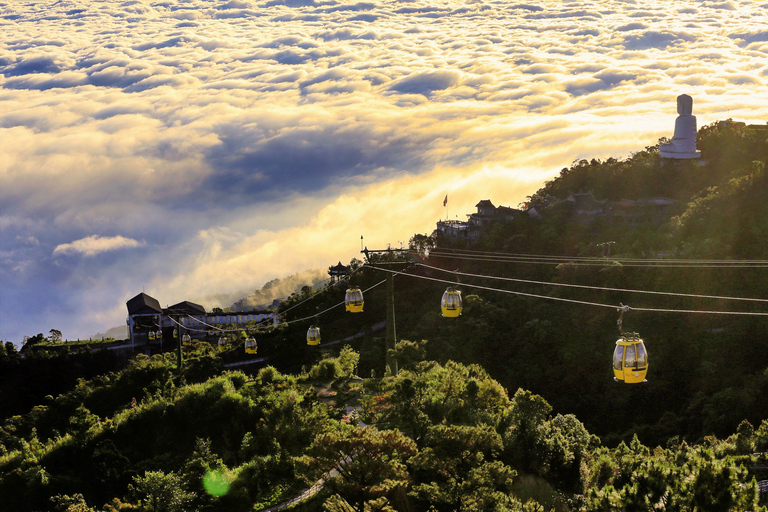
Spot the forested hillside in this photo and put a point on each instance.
(511, 406)
(442, 436)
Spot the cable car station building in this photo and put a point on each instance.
(145, 316)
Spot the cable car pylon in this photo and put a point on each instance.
(391, 331)
(396, 256)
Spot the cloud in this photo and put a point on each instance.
(747, 38)
(528, 7)
(95, 244)
(581, 14)
(44, 81)
(632, 26)
(605, 79)
(719, 5)
(332, 74)
(359, 6)
(345, 33)
(35, 64)
(655, 39)
(309, 154)
(425, 82)
(537, 69)
(582, 86)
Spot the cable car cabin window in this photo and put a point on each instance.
(629, 356)
(642, 355)
(313, 336)
(354, 300)
(354, 297)
(618, 357)
(452, 301)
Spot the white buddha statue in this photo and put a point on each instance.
(683, 143)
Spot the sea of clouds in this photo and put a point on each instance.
(197, 147)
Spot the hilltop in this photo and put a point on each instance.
(716, 364)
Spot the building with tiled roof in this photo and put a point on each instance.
(145, 316)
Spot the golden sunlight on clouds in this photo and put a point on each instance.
(384, 214)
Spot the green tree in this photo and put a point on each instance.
(347, 361)
(408, 353)
(431, 394)
(205, 473)
(338, 504)
(422, 243)
(761, 436)
(745, 438)
(10, 350)
(163, 492)
(523, 427)
(31, 341)
(73, 503)
(81, 422)
(456, 470)
(687, 478)
(553, 448)
(366, 463)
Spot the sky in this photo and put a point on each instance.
(189, 148)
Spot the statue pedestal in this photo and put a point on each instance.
(681, 156)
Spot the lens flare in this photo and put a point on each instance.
(216, 482)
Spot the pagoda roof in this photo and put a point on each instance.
(338, 269)
(143, 304)
(187, 307)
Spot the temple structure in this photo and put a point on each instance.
(683, 143)
(338, 272)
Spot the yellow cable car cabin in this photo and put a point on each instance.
(251, 347)
(313, 336)
(222, 341)
(354, 300)
(630, 359)
(451, 303)
(151, 335)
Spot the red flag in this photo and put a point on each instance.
(445, 201)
